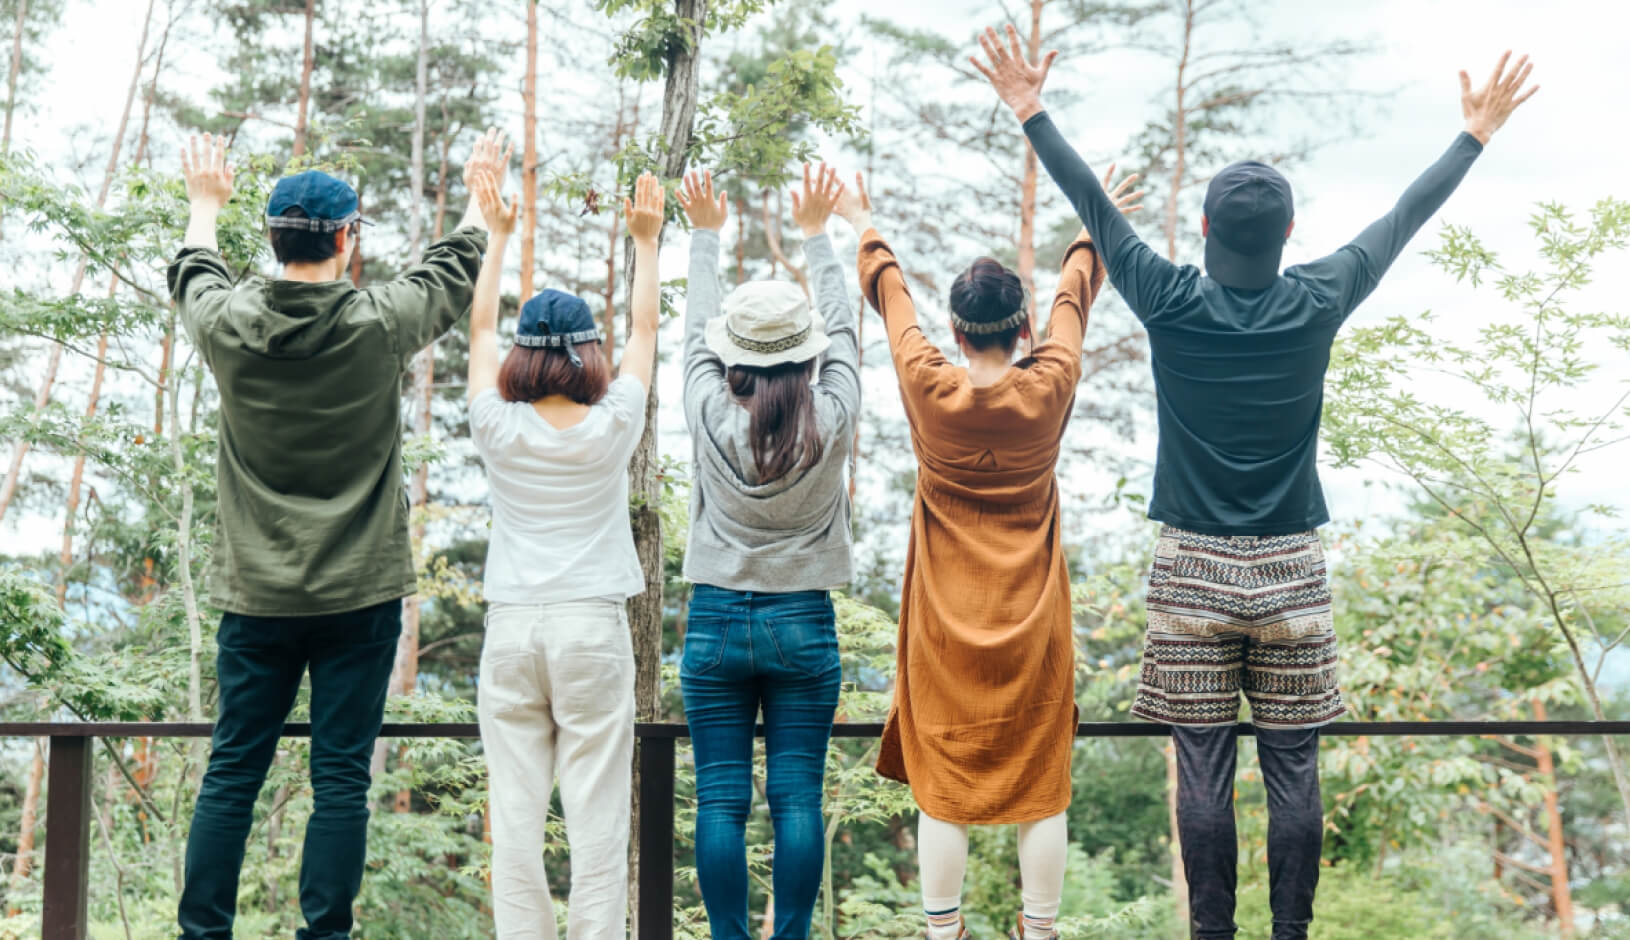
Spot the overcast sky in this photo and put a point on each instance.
(1567, 145)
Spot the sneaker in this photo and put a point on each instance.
(1017, 933)
(963, 935)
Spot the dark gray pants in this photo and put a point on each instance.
(1205, 824)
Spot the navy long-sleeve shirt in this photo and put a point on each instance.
(1239, 374)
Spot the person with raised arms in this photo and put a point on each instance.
(772, 394)
(311, 554)
(555, 696)
(1238, 599)
(984, 715)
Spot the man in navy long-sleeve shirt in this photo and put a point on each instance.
(1238, 599)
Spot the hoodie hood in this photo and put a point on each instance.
(288, 319)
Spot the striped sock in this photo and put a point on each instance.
(1037, 927)
(945, 924)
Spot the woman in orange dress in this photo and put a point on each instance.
(984, 703)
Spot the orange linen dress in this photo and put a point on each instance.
(984, 698)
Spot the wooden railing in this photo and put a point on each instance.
(68, 797)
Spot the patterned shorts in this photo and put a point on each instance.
(1239, 614)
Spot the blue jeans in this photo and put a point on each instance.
(260, 664)
(744, 649)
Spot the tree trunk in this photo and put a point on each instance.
(529, 153)
(25, 831)
(679, 96)
(1027, 192)
(11, 83)
(1561, 891)
(303, 105)
(356, 253)
(42, 396)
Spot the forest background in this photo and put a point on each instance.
(1474, 422)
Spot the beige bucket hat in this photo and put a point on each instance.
(767, 323)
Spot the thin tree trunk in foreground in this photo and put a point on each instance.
(42, 396)
(679, 99)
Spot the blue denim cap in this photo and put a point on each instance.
(555, 319)
(330, 204)
(1249, 206)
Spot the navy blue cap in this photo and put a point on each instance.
(555, 319)
(1249, 207)
(330, 204)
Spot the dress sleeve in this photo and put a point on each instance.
(1058, 360)
(840, 367)
(486, 414)
(916, 360)
(626, 400)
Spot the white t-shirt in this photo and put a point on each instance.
(560, 528)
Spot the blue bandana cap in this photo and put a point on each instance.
(555, 319)
(330, 204)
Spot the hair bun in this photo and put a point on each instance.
(986, 292)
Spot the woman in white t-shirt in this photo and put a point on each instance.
(556, 693)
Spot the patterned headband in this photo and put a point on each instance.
(312, 225)
(566, 341)
(768, 346)
(1009, 322)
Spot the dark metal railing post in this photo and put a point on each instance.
(67, 839)
(656, 920)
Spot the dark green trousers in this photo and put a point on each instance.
(260, 665)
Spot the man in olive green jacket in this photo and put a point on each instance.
(311, 555)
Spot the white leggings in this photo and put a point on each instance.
(942, 858)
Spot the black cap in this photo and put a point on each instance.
(1249, 208)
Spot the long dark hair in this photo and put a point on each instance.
(985, 293)
(781, 416)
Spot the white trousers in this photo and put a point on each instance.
(556, 698)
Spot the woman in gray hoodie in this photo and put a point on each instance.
(772, 391)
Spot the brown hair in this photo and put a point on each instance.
(530, 373)
(985, 293)
(781, 416)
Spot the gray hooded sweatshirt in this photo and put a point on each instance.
(790, 534)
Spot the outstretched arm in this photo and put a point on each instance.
(883, 285)
(1353, 272)
(485, 193)
(1137, 271)
(707, 211)
(644, 214)
(823, 196)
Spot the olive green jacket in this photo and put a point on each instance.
(312, 515)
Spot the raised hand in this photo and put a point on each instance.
(1127, 202)
(696, 197)
(209, 178)
(485, 190)
(644, 212)
(1016, 81)
(490, 156)
(821, 194)
(854, 205)
(1487, 108)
